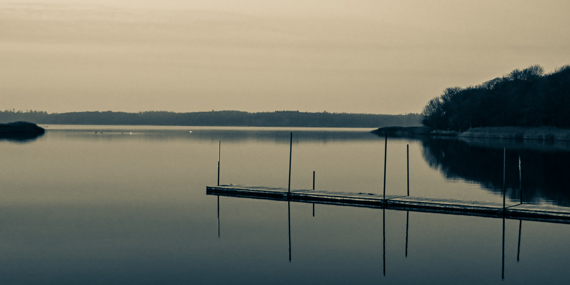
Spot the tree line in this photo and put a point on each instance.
(215, 118)
(526, 98)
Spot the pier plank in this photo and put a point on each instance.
(532, 210)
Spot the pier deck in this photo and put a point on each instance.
(545, 213)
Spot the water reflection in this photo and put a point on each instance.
(407, 224)
(112, 208)
(19, 138)
(542, 172)
(478, 161)
(503, 252)
(541, 178)
(384, 239)
(289, 225)
(218, 216)
(234, 135)
(519, 245)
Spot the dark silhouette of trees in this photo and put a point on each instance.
(526, 98)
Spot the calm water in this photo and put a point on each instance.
(127, 205)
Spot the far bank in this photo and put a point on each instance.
(514, 133)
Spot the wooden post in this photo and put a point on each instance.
(313, 180)
(385, 153)
(313, 190)
(290, 156)
(520, 180)
(219, 157)
(408, 168)
(504, 184)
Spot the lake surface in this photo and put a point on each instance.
(128, 205)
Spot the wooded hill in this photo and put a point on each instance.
(526, 98)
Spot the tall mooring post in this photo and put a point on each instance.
(313, 180)
(520, 180)
(408, 167)
(504, 173)
(385, 153)
(290, 156)
(219, 157)
(313, 190)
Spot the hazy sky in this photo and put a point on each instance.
(365, 56)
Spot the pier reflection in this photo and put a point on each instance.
(384, 240)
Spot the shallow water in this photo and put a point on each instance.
(122, 204)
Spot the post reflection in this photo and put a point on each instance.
(289, 224)
(519, 246)
(218, 216)
(504, 218)
(503, 259)
(384, 240)
(407, 223)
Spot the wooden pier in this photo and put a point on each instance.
(544, 213)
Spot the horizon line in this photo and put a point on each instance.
(211, 111)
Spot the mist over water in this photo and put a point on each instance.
(121, 204)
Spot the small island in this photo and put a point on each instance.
(20, 132)
(21, 128)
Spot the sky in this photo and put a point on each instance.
(358, 56)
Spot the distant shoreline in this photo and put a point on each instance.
(216, 118)
(510, 133)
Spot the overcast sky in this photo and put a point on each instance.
(358, 56)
